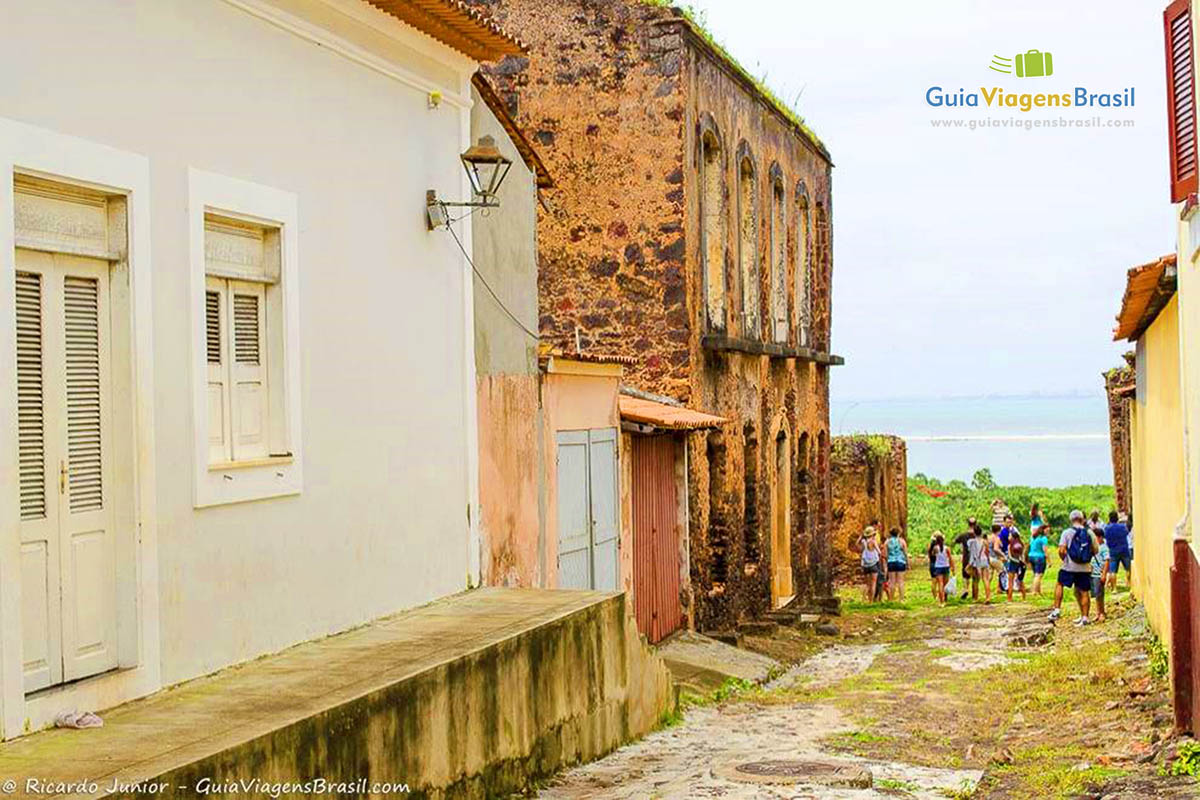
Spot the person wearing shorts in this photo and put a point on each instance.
(870, 563)
(1116, 536)
(897, 562)
(1015, 563)
(1072, 574)
(941, 563)
(981, 565)
(1039, 556)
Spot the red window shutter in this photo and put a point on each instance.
(1181, 98)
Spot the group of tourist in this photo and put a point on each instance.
(1091, 554)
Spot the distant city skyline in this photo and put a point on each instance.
(972, 262)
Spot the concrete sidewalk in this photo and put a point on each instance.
(432, 697)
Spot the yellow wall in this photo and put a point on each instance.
(1189, 330)
(1158, 477)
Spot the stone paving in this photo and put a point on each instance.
(700, 757)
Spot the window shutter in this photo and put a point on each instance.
(1181, 98)
(216, 346)
(31, 420)
(248, 371)
(81, 307)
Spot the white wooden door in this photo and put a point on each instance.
(68, 566)
(602, 484)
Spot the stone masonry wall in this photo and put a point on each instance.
(614, 92)
(1118, 432)
(769, 397)
(602, 98)
(869, 475)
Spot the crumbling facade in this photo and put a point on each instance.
(690, 229)
(1119, 387)
(870, 486)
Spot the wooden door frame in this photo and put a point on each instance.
(125, 177)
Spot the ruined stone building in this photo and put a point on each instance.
(1120, 385)
(690, 229)
(869, 475)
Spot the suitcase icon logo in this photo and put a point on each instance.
(1030, 64)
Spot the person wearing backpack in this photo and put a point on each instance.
(1076, 547)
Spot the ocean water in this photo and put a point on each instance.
(1033, 441)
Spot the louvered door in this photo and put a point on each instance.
(68, 566)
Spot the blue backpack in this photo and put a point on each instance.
(1080, 549)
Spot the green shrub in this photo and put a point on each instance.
(949, 513)
(1187, 761)
(1158, 657)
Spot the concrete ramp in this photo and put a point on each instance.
(702, 664)
(474, 695)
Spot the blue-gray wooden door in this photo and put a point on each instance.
(588, 524)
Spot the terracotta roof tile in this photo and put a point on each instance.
(456, 24)
(1148, 288)
(661, 415)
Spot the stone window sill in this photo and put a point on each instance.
(723, 343)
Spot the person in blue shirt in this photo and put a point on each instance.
(1116, 536)
(1039, 556)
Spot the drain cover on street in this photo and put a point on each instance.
(790, 771)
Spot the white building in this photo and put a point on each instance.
(241, 412)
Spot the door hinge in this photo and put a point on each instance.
(62, 477)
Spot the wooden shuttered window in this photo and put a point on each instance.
(243, 341)
(31, 407)
(1181, 98)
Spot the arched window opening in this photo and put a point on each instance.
(821, 289)
(718, 527)
(750, 496)
(803, 289)
(713, 229)
(748, 249)
(779, 309)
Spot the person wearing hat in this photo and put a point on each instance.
(1076, 547)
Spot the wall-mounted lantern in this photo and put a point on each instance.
(486, 168)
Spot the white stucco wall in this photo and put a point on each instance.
(381, 521)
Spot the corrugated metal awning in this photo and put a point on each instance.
(661, 415)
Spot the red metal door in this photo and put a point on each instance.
(655, 538)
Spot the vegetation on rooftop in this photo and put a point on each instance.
(860, 446)
(696, 20)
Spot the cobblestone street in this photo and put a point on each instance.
(983, 701)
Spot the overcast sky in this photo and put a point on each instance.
(971, 262)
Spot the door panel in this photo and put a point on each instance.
(68, 566)
(38, 443)
(574, 536)
(781, 515)
(656, 549)
(87, 558)
(40, 645)
(602, 474)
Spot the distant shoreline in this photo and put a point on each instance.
(1030, 437)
